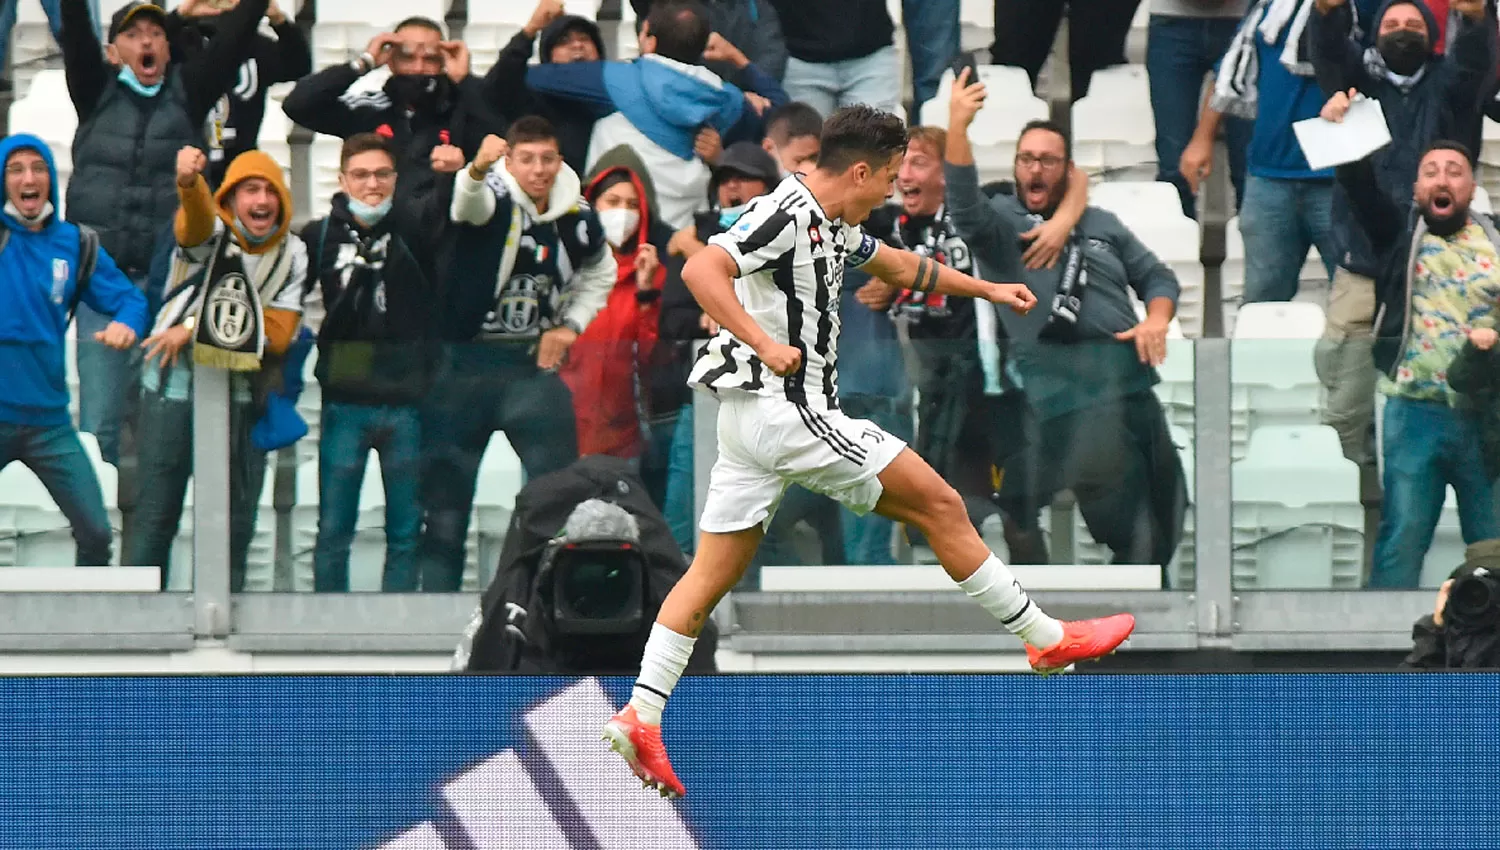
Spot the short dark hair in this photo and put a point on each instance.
(1050, 127)
(424, 22)
(363, 143)
(531, 128)
(1449, 145)
(860, 133)
(793, 121)
(681, 30)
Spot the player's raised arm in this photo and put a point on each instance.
(710, 275)
(922, 274)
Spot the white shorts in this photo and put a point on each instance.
(766, 444)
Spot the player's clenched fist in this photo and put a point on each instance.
(1016, 296)
(780, 359)
(190, 163)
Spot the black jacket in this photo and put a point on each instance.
(754, 26)
(1443, 104)
(678, 328)
(1476, 374)
(373, 346)
(283, 59)
(1399, 231)
(323, 104)
(1436, 647)
(125, 148)
(505, 87)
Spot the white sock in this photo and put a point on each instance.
(667, 654)
(998, 592)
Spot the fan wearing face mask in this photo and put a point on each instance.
(1425, 97)
(1438, 286)
(136, 108)
(429, 100)
(607, 367)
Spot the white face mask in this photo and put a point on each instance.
(619, 225)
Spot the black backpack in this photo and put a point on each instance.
(88, 258)
(516, 629)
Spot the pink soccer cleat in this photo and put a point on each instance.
(1083, 640)
(640, 743)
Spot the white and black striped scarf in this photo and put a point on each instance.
(1236, 90)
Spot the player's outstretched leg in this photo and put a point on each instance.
(915, 494)
(635, 731)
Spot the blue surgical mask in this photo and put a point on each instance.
(249, 237)
(368, 214)
(127, 76)
(727, 217)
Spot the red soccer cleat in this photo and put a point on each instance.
(640, 743)
(1083, 640)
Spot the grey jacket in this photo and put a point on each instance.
(1063, 377)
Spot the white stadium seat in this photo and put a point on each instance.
(1297, 519)
(1280, 320)
(1007, 108)
(1273, 381)
(1113, 128)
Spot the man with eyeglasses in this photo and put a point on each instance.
(373, 362)
(1087, 362)
(46, 271)
(531, 269)
(430, 100)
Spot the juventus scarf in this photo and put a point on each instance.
(229, 332)
(1237, 86)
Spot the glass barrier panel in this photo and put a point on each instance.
(1344, 478)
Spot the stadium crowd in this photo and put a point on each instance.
(504, 256)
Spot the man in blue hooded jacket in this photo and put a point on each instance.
(40, 286)
(662, 102)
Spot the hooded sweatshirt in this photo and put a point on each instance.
(1440, 101)
(203, 216)
(607, 367)
(517, 271)
(505, 87)
(38, 279)
(659, 106)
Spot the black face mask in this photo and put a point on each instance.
(1404, 52)
(424, 93)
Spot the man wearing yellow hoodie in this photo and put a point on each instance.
(235, 296)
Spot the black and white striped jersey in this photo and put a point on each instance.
(791, 259)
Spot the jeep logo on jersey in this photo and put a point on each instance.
(228, 311)
(563, 790)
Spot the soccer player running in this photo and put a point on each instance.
(772, 284)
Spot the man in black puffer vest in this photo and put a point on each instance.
(135, 112)
(374, 363)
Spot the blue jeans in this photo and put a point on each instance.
(1428, 446)
(54, 454)
(1179, 53)
(874, 80)
(681, 501)
(867, 539)
(932, 41)
(349, 432)
(53, 10)
(108, 385)
(1280, 220)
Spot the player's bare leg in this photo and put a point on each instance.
(916, 495)
(635, 732)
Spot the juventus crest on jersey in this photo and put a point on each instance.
(791, 258)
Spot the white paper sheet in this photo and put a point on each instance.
(1361, 133)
